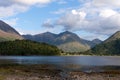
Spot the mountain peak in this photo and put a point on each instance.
(67, 32)
(47, 32)
(67, 41)
(97, 41)
(118, 32)
(115, 36)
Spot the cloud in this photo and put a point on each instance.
(72, 20)
(48, 24)
(32, 2)
(104, 24)
(106, 3)
(10, 8)
(23, 2)
(101, 18)
(107, 13)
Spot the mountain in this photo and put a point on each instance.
(46, 37)
(27, 47)
(70, 42)
(97, 41)
(67, 41)
(8, 33)
(114, 37)
(111, 46)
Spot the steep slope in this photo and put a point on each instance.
(8, 33)
(66, 37)
(114, 37)
(111, 46)
(70, 42)
(7, 28)
(108, 48)
(67, 41)
(27, 47)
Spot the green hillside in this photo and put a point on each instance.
(26, 47)
(115, 36)
(107, 48)
(73, 47)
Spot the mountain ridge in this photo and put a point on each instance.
(7, 28)
(115, 36)
(110, 46)
(65, 40)
(8, 33)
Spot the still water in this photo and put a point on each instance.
(63, 60)
(67, 63)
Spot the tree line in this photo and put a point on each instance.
(27, 47)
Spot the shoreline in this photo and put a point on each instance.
(49, 72)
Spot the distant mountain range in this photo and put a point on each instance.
(67, 41)
(111, 46)
(8, 33)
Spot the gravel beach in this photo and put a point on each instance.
(45, 72)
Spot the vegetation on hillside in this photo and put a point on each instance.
(27, 47)
(73, 47)
(109, 48)
(66, 41)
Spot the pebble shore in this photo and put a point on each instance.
(51, 73)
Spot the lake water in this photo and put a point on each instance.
(80, 60)
(66, 62)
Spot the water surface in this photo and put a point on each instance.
(65, 62)
(81, 60)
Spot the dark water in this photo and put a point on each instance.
(80, 60)
(66, 62)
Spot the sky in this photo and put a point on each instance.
(90, 19)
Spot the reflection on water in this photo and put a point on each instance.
(64, 62)
(80, 60)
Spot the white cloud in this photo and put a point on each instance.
(48, 24)
(74, 12)
(32, 2)
(101, 19)
(82, 14)
(101, 24)
(72, 21)
(23, 2)
(12, 7)
(107, 3)
(11, 10)
(107, 13)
